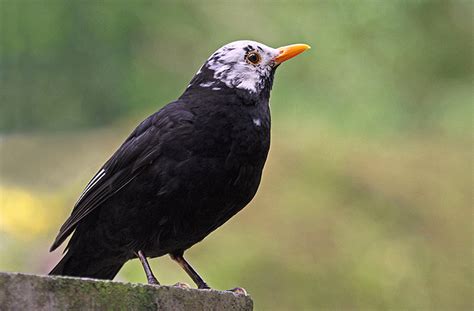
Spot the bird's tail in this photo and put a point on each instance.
(82, 266)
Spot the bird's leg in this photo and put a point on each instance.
(149, 274)
(178, 257)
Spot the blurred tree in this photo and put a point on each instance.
(398, 65)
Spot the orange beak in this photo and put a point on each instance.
(290, 51)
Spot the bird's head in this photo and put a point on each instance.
(246, 66)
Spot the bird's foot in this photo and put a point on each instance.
(153, 281)
(203, 286)
(238, 291)
(182, 285)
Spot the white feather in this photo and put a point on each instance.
(230, 67)
(206, 84)
(91, 184)
(257, 122)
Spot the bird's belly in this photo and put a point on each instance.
(196, 201)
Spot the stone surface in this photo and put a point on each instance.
(33, 292)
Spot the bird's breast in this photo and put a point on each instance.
(208, 174)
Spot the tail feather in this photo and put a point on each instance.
(81, 266)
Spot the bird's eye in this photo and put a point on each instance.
(253, 58)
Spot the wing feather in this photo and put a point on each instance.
(120, 170)
(137, 153)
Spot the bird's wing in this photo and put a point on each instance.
(138, 151)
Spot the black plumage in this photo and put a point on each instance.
(182, 173)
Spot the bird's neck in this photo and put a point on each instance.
(227, 94)
(204, 84)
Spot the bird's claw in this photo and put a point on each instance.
(182, 285)
(153, 281)
(204, 286)
(238, 291)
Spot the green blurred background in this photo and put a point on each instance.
(366, 199)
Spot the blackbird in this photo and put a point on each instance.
(183, 172)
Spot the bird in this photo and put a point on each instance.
(183, 172)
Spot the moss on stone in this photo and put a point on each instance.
(32, 292)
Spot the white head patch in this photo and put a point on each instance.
(232, 67)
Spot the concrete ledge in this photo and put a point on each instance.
(33, 292)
